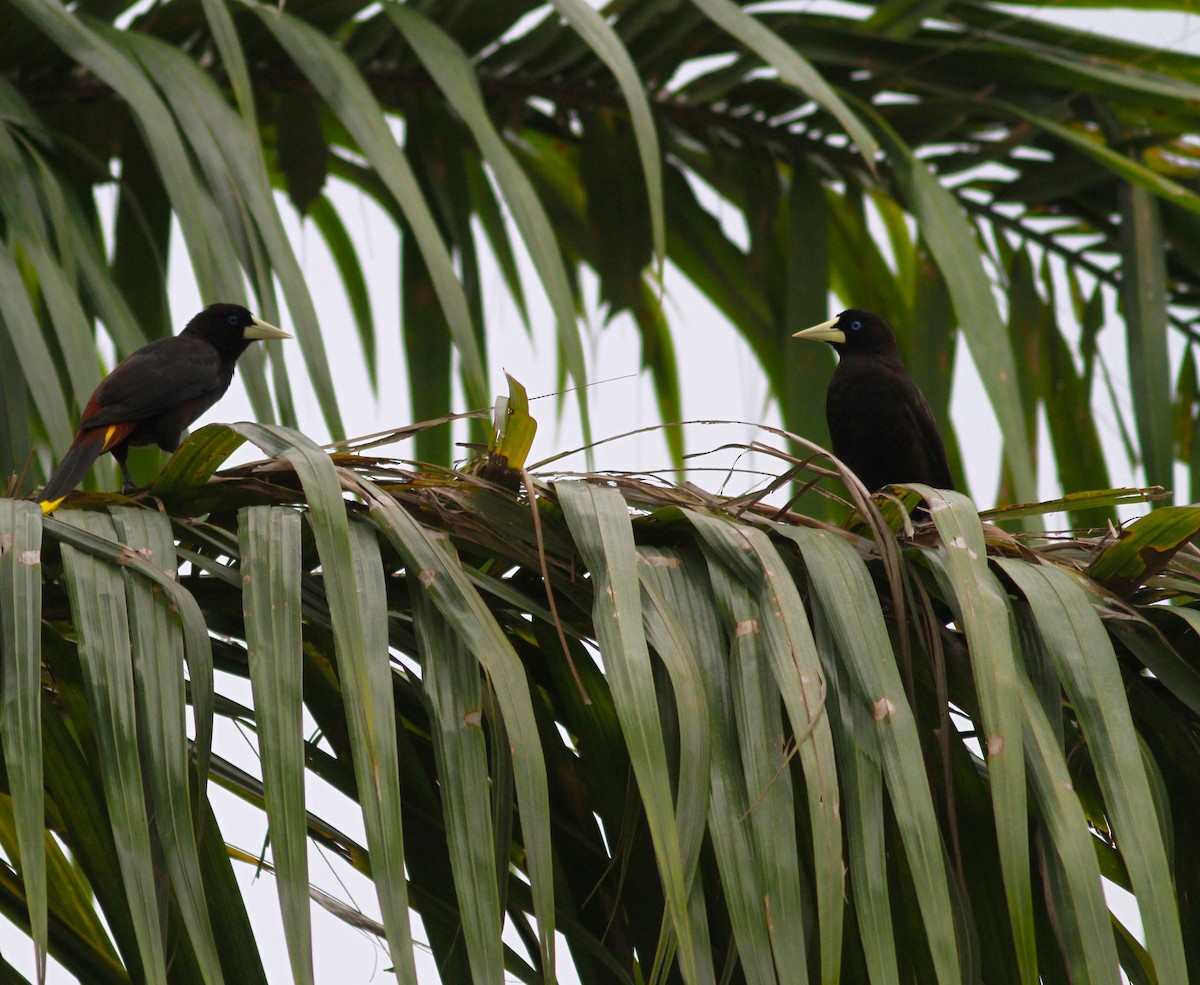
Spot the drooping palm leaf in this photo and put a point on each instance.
(799, 729)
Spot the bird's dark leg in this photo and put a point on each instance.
(121, 453)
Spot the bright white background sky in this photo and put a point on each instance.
(720, 380)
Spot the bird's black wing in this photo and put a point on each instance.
(158, 377)
(882, 426)
(923, 425)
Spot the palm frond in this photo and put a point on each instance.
(743, 738)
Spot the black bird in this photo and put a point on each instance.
(879, 420)
(151, 396)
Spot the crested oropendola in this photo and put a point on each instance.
(151, 396)
(880, 422)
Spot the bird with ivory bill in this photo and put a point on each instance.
(155, 393)
(880, 423)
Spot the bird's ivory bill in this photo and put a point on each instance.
(263, 330)
(825, 332)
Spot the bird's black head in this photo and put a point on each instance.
(229, 328)
(856, 332)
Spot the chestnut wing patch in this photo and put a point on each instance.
(157, 378)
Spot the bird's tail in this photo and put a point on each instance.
(89, 444)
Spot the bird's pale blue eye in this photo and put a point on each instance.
(855, 325)
(233, 319)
